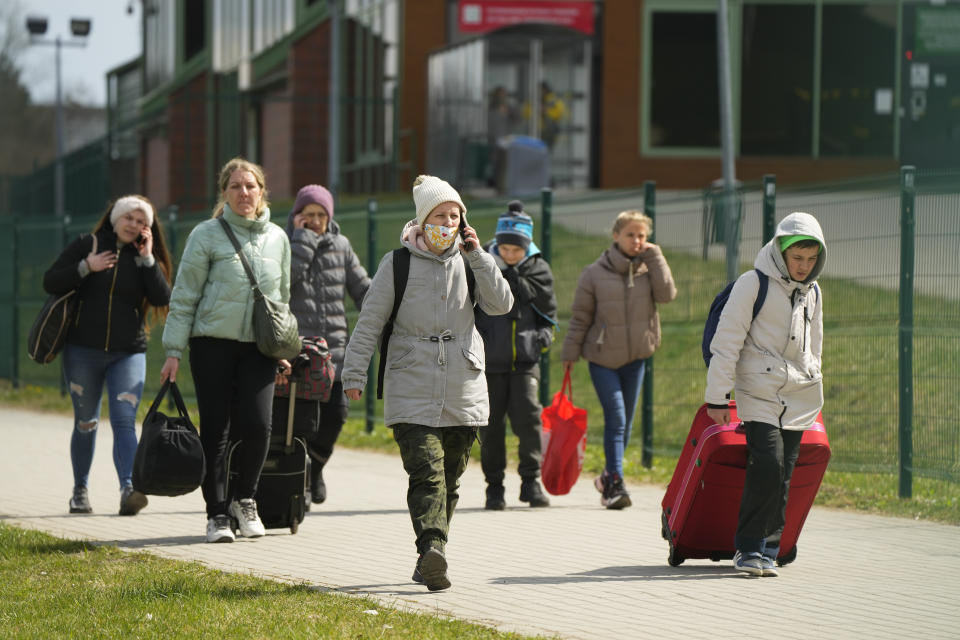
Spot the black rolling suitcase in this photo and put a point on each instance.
(284, 482)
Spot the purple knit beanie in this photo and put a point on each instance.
(314, 194)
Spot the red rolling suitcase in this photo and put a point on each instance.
(699, 517)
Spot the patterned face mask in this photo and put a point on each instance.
(440, 236)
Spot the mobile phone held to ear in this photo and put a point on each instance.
(463, 229)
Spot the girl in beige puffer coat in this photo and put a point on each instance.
(615, 327)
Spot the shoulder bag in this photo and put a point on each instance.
(49, 331)
(274, 326)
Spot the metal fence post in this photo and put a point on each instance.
(15, 306)
(908, 193)
(546, 249)
(769, 206)
(646, 414)
(371, 268)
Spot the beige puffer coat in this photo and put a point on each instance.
(615, 319)
(772, 361)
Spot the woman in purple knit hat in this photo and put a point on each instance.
(323, 269)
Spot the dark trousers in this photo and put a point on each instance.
(232, 378)
(434, 459)
(333, 413)
(513, 394)
(771, 456)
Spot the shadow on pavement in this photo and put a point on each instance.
(631, 574)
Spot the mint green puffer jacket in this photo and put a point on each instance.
(212, 295)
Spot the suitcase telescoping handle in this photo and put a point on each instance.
(293, 401)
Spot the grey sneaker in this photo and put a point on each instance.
(248, 520)
(80, 501)
(131, 501)
(432, 570)
(769, 566)
(751, 564)
(613, 494)
(220, 529)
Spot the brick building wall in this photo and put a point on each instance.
(308, 73)
(189, 179)
(276, 143)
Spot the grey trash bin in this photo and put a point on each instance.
(524, 166)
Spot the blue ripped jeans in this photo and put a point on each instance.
(618, 391)
(85, 371)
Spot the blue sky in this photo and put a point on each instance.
(114, 39)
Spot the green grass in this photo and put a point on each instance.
(50, 588)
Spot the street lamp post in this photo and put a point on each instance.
(80, 28)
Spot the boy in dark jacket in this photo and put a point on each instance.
(513, 344)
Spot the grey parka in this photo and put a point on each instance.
(772, 361)
(435, 361)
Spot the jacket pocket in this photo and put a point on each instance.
(475, 362)
(401, 353)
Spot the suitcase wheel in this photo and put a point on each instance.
(674, 559)
(664, 528)
(788, 558)
(295, 513)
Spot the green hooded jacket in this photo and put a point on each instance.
(212, 294)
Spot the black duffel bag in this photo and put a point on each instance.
(169, 460)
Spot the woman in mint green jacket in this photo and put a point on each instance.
(211, 308)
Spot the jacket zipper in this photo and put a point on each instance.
(513, 343)
(79, 309)
(106, 344)
(626, 311)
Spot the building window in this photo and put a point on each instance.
(194, 28)
(776, 91)
(684, 98)
(856, 91)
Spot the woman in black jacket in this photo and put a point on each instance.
(120, 271)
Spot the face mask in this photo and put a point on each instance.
(440, 236)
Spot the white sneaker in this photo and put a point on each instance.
(245, 512)
(219, 529)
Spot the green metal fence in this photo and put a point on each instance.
(890, 377)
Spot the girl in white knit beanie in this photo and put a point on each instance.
(435, 390)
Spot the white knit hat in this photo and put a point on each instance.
(126, 204)
(429, 191)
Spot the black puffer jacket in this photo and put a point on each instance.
(515, 341)
(109, 315)
(323, 267)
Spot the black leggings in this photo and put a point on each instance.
(232, 378)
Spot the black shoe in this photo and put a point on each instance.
(531, 492)
(318, 490)
(80, 501)
(614, 494)
(131, 501)
(431, 570)
(495, 499)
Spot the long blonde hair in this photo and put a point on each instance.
(241, 164)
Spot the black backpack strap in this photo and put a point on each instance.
(401, 269)
(471, 282)
(761, 292)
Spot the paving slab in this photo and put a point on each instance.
(574, 570)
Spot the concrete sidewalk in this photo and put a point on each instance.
(574, 570)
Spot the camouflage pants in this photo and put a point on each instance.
(434, 459)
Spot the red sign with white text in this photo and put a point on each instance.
(480, 16)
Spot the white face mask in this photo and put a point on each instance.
(440, 236)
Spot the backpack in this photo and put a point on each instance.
(719, 302)
(401, 270)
